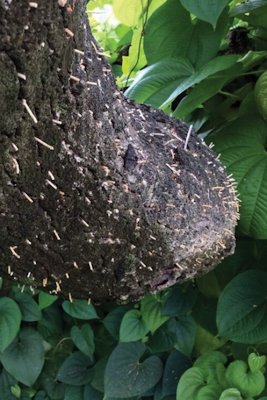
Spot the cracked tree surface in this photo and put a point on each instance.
(99, 198)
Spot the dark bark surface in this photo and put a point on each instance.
(98, 198)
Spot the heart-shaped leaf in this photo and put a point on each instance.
(255, 362)
(132, 327)
(75, 370)
(10, 317)
(24, 358)
(45, 300)
(28, 307)
(83, 339)
(151, 306)
(126, 375)
(193, 385)
(80, 309)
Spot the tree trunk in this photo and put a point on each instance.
(100, 198)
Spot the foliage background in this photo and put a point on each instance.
(203, 62)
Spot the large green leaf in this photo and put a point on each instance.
(126, 375)
(242, 145)
(167, 32)
(76, 370)
(80, 309)
(132, 327)
(154, 84)
(242, 308)
(83, 338)
(10, 317)
(24, 358)
(208, 10)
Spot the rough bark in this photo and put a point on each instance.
(98, 199)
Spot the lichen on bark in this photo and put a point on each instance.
(99, 197)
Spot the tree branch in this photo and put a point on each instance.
(100, 198)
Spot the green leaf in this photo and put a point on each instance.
(126, 375)
(10, 317)
(231, 394)
(75, 370)
(192, 382)
(208, 10)
(242, 145)
(217, 64)
(242, 308)
(246, 7)
(151, 306)
(50, 326)
(91, 394)
(132, 327)
(136, 59)
(99, 371)
(45, 300)
(175, 366)
(80, 309)
(260, 94)
(113, 320)
(255, 362)
(249, 383)
(74, 393)
(154, 84)
(127, 11)
(180, 301)
(204, 42)
(205, 90)
(28, 307)
(83, 338)
(24, 358)
(185, 331)
(169, 28)
(163, 339)
(208, 363)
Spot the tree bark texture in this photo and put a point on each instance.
(99, 197)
